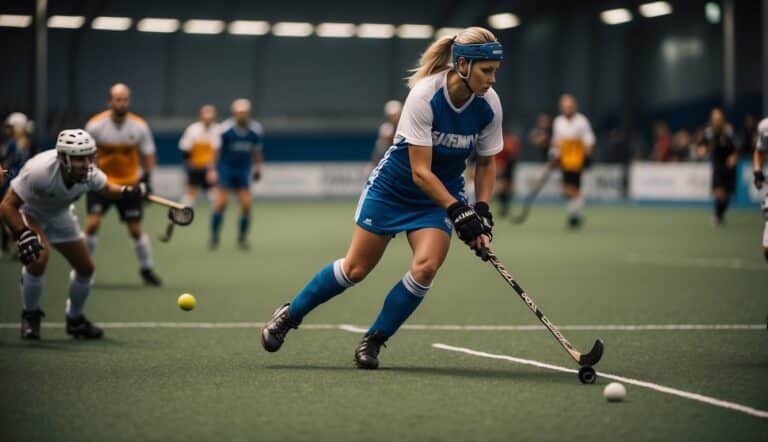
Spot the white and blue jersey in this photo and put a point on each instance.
(391, 202)
(236, 152)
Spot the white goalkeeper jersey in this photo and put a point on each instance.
(40, 185)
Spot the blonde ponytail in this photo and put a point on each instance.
(437, 57)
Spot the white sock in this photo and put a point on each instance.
(90, 241)
(31, 289)
(79, 289)
(575, 206)
(144, 252)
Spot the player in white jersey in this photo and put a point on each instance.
(572, 145)
(418, 188)
(127, 157)
(39, 212)
(758, 160)
(199, 144)
(386, 135)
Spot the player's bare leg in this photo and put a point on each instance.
(246, 201)
(575, 205)
(143, 249)
(190, 197)
(220, 201)
(365, 251)
(32, 280)
(722, 200)
(80, 283)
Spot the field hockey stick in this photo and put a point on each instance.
(528, 202)
(587, 374)
(177, 214)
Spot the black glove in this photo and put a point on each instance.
(484, 212)
(146, 178)
(137, 192)
(29, 247)
(759, 179)
(467, 223)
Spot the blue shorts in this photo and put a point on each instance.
(389, 216)
(234, 179)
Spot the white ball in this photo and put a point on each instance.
(614, 392)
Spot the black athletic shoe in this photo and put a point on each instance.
(213, 243)
(274, 331)
(82, 328)
(765, 253)
(243, 244)
(574, 222)
(30, 323)
(151, 278)
(367, 353)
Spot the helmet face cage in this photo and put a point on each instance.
(76, 143)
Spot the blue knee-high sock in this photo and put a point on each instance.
(245, 222)
(216, 224)
(327, 283)
(401, 301)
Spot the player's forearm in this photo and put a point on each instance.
(148, 163)
(433, 187)
(485, 178)
(10, 216)
(112, 191)
(757, 160)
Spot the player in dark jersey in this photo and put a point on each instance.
(718, 140)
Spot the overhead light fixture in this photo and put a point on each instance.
(203, 26)
(66, 21)
(655, 9)
(415, 31)
(248, 27)
(111, 23)
(292, 29)
(712, 12)
(442, 32)
(335, 30)
(15, 21)
(616, 16)
(504, 20)
(161, 25)
(375, 30)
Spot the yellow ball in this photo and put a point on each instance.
(187, 302)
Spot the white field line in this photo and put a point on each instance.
(660, 388)
(705, 263)
(418, 327)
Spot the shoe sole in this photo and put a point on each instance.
(264, 343)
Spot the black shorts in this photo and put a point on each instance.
(724, 178)
(129, 209)
(572, 179)
(197, 177)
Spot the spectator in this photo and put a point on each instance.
(540, 136)
(662, 142)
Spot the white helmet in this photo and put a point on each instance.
(75, 142)
(393, 107)
(19, 121)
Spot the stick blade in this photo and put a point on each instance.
(594, 355)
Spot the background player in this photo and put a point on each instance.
(38, 210)
(572, 145)
(418, 186)
(392, 110)
(718, 142)
(199, 143)
(127, 157)
(758, 158)
(237, 161)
